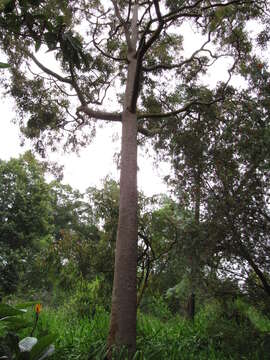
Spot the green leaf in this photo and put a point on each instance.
(38, 45)
(7, 5)
(27, 304)
(51, 40)
(35, 2)
(7, 310)
(4, 3)
(11, 342)
(15, 323)
(4, 65)
(41, 346)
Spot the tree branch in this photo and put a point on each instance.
(75, 86)
(99, 115)
(143, 47)
(174, 15)
(48, 71)
(174, 66)
(178, 111)
(102, 51)
(134, 28)
(124, 23)
(149, 133)
(146, 45)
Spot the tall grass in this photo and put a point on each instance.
(212, 336)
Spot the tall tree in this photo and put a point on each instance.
(135, 46)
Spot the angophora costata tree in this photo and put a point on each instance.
(134, 48)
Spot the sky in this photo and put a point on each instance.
(93, 164)
(96, 161)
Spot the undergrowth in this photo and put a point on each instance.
(241, 333)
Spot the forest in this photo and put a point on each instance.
(109, 272)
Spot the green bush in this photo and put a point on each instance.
(86, 297)
(232, 331)
(156, 306)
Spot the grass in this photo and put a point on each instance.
(211, 337)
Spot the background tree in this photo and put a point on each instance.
(26, 217)
(188, 149)
(223, 153)
(242, 176)
(75, 237)
(25, 207)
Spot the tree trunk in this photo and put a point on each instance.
(191, 307)
(124, 299)
(191, 299)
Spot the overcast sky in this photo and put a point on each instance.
(96, 161)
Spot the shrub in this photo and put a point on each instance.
(28, 348)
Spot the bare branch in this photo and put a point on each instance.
(156, 4)
(255, 267)
(147, 10)
(129, 11)
(109, 83)
(143, 47)
(62, 90)
(148, 133)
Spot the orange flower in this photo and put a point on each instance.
(38, 308)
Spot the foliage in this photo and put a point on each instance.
(26, 221)
(84, 229)
(9, 276)
(215, 334)
(3, 65)
(220, 159)
(260, 321)
(156, 306)
(25, 210)
(29, 348)
(87, 298)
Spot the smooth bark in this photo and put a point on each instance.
(124, 299)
